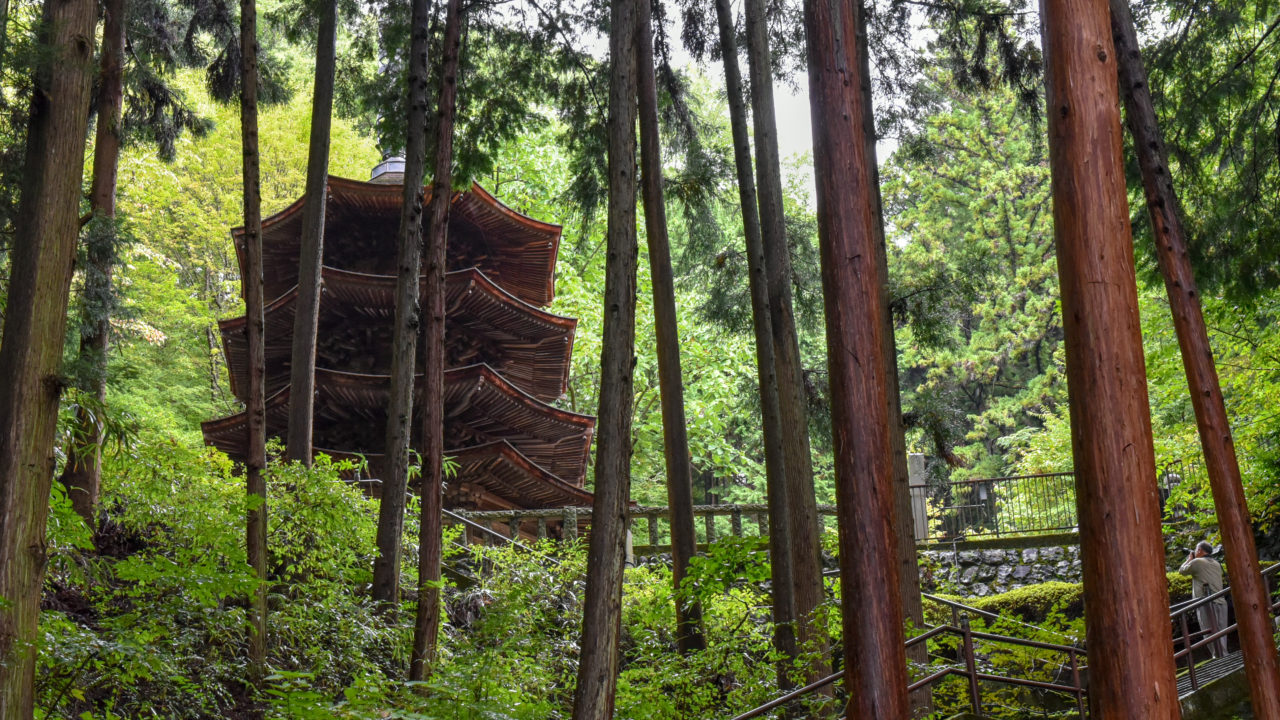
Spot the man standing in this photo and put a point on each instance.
(1206, 579)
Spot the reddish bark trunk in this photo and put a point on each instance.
(427, 626)
(1248, 590)
(1131, 671)
(602, 609)
(854, 292)
(44, 251)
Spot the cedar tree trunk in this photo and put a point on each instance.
(82, 472)
(427, 626)
(684, 543)
(766, 375)
(802, 508)
(395, 471)
(302, 367)
(1131, 669)
(44, 251)
(854, 296)
(256, 486)
(602, 609)
(1248, 591)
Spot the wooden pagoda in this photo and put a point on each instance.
(507, 358)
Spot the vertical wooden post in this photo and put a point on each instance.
(542, 528)
(848, 233)
(652, 519)
(569, 528)
(735, 521)
(1131, 667)
(1262, 666)
(971, 666)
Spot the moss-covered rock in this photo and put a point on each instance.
(1034, 603)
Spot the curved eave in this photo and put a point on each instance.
(230, 434)
(501, 469)
(537, 344)
(527, 247)
(484, 404)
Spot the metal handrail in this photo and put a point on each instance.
(500, 536)
(969, 671)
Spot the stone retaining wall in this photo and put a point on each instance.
(978, 573)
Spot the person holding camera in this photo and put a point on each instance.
(1206, 579)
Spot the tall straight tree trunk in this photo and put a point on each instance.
(386, 567)
(784, 638)
(82, 472)
(802, 509)
(256, 462)
(854, 297)
(1131, 669)
(1248, 591)
(606, 554)
(302, 368)
(670, 380)
(908, 564)
(31, 353)
(427, 626)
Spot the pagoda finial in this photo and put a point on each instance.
(388, 172)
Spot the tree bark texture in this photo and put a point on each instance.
(395, 473)
(802, 509)
(256, 462)
(427, 626)
(766, 374)
(908, 564)
(1248, 591)
(670, 380)
(302, 367)
(602, 610)
(82, 471)
(44, 252)
(1131, 669)
(850, 238)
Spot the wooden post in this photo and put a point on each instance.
(853, 293)
(569, 529)
(652, 519)
(970, 666)
(1131, 669)
(542, 527)
(735, 521)
(1262, 667)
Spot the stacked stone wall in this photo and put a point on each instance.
(978, 573)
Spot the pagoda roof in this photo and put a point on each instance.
(481, 407)
(502, 470)
(498, 470)
(362, 220)
(529, 346)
